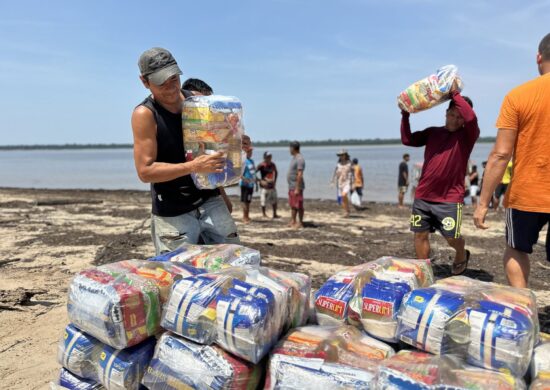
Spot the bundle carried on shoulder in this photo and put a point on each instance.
(89, 358)
(242, 309)
(212, 257)
(120, 303)
(430, 91)
(213, 124)
(319, 357)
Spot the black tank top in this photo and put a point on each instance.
(180, 195)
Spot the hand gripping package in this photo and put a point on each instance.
(422, 371)
(325, 357)
(183, 364)
(212, 124)
(212, 257)
(89, 358)
(430, 91)
(242, 309)
(120, 303)
(369, 295)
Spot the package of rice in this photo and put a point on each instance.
(430, 91)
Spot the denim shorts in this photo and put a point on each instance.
(211, 221)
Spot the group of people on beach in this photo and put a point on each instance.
(183, 213)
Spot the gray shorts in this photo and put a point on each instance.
(211, 222)
(432, 216)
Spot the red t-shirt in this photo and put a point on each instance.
(446, 155)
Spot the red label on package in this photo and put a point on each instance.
(375, 306)
(333, 305)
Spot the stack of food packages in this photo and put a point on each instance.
(114, 310)
(487, 325)
(369, 295)
(212, 124)
(325, 357)
(430, 91)
(540, 364)
(424, 371)
(212, 257)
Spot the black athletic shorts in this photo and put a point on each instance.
(432, 216)
(523, 228)
(246, 194)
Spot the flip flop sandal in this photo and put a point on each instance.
(460, 265)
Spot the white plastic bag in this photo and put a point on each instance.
(355, 199)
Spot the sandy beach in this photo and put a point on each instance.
(49, 235)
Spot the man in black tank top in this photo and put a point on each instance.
(181, 213)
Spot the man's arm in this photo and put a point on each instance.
(144, 129)
(406, 176)
(496, 165)
(299, 181)
(467, 113)
(226, 199)
(418, 138)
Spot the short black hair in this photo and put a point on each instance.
(406, 155)
(295, 145)
(355, 161)
(452, 103)
(197, 85)
(544, 47)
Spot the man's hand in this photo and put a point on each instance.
(209, 163)
(297, 191)
(479, 217)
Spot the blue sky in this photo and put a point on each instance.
(303, 69)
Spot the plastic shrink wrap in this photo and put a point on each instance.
(89, 358)
(422, 371)
(430, 91)
(67, 380)
(212, 257)
(211, 124)
(120, 303)
(183, 364)
(369, 295)
(424, 317)
(242, 309)
(540, 364)
(325, 357)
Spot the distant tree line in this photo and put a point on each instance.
(284, 142)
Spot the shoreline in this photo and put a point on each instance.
(49, 235)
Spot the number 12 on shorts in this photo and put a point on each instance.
(415, 220)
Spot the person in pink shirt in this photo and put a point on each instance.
(439, 197)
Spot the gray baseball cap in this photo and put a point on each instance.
(158, 65)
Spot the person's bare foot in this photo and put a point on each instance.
(246, 221)
(298, 226)
(291, 224)
(276, 216)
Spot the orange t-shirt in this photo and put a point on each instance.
(527, 109)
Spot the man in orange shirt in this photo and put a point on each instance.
(524, 133)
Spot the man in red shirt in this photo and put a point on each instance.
(439, 197)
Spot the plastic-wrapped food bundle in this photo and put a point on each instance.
(424, 317)
(243, 309)
(89, 358)
(540, 363)
(179, 364)
(68, 380)
(211, 124)
(419, 371)
(540, 384)
(430, 91)
(369, 295)
(500, 338)
(317, 357)
(212, 257)
(120, 303)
